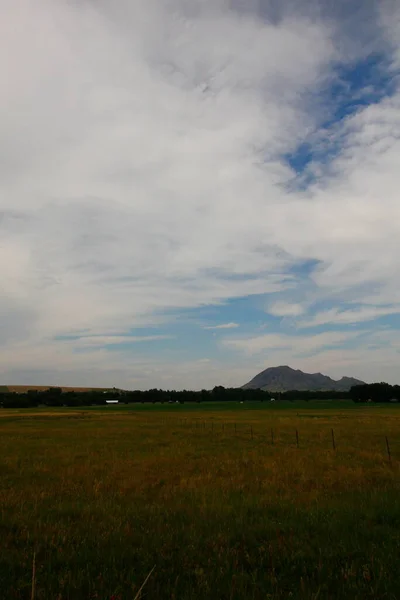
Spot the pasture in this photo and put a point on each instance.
(228, 501)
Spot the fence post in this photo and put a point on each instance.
(388, 450)
(333, 439)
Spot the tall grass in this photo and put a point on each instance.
(138, 503)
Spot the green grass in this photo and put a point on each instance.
(101, 496)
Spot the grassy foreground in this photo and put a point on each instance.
(102, 498)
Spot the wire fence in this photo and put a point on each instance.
(326, 438)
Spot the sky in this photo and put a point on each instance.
(192, 191)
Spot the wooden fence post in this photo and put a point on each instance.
(333, 439)
(388, 450)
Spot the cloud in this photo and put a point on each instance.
(223, 326)
(283, 309)
(99, 341)
(143, 170)
(127, 141)
(390, 21)
(337, 317)
(295, 344)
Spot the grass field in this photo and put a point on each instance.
(103, 497)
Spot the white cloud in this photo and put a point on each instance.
(338, 317)
(293, 344)
(99, 341)
(284, 309)
(390, 20)
(129, 147)
(141, 170)
(223, 326)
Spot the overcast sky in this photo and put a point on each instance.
(194, 190)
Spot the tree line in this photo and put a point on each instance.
(375, 392)
(55, 396)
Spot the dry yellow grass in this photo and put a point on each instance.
(103, 495)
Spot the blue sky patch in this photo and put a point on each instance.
(351, 88)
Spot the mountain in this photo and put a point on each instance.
(283, 379)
